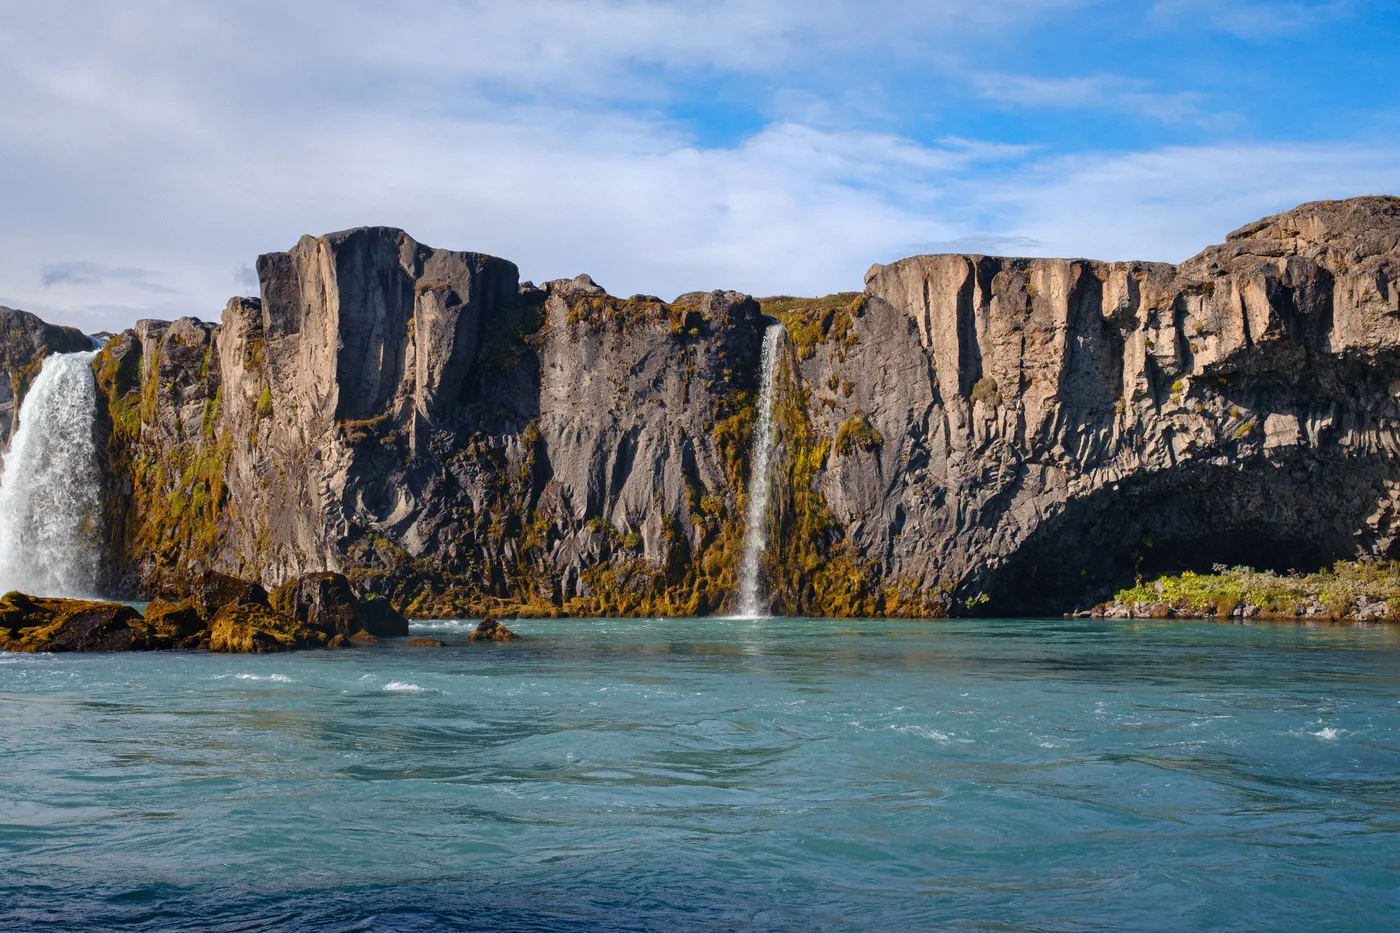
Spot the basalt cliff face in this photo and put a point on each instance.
(970, 433)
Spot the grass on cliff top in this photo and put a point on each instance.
(1339, 588)
(810, 321)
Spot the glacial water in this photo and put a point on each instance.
(50, 497)
(751, 604)
(715, 775)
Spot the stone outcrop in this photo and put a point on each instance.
(969, 433)
(491, 629)
(1049, 428)
(39, 624)
(419, 421)
(250, 628)
(327, 603)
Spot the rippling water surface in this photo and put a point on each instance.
(710, 774)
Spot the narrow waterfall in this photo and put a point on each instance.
(760, 483)
(50, 490)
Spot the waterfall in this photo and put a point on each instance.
(760, 482)
(50, 492)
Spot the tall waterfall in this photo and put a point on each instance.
(760, 483)
(50, 492)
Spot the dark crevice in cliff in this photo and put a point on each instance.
(1297, 513)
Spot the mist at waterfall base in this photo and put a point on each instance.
(760, 482)
(710, 774)
(50, 492)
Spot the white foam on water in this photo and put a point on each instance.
(50, 487)
(760, 483)
(941, 737)
(1328, 733)
(399, 686)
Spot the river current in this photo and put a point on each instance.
(714, 775)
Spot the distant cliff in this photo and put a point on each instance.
(968, 434)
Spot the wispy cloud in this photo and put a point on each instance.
(1250, 19)
(81, 273)
(1102, 91)
(767, 145)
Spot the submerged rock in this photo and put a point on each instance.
(423, 642)
(491, 630)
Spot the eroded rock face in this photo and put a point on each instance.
(416, 419)
(970, 433)
(1049, 427)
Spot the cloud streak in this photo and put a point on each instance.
(769, 145)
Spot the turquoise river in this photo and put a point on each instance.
(707, 774)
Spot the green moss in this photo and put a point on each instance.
(987, 391)
(812, 569)
(813, 321)
(264, 407)
(857, 433)
(167, 504)
(1340, 590)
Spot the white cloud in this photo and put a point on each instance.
(1249, 19)
(1167, 204)
(179, 140)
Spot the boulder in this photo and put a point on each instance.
(216, 590)
(492, 630)
(175, 621)
(326, 601)
(422, 642)
(322, 601)
(253, 628)
(379, 617)
(51, 624)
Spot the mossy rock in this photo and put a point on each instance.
(492, 630)
(380, 618)
(323, 601)
(52, 624)
(175, 621)
(250, 628)
(422, 642)
(326, 601)
(217, 590)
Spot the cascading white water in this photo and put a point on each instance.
(50, 492)
(760, 482)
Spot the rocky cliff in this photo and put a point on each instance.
(24, 342)
(970, 433)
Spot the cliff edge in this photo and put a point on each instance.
(969, 433)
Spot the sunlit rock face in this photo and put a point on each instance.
(971, 433)
(1054, 426)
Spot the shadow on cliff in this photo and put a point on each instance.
(1296, 513)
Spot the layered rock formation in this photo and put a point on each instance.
(970, 433)
(421, 421)
(1051, 427)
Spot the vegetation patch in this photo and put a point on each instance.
(813, 321)
(857, 433)
(1354, 590)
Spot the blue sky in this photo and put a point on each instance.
(153, 149)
